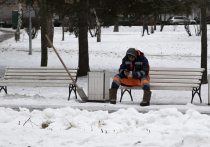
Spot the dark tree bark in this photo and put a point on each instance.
(116, 26)
(99, 33)
(98, 27)
(63, 25)
(187, 29)
(44, 54)
(83, 40)
(155, 20)
(204, 42)
(63, 32)
(50, 27)
(17, 33)
(163, 23)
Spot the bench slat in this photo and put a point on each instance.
(35, 84)
(177, 69)
(40, 71)
(174, 84)
(175, 73)
(39, 74)
(40, 77)
(41, 68)
(172, 88)
(174, 81)
(163, 85)
(159, 88)
(174, 77)
(37, 81)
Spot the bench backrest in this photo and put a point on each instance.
(174, 78)
(40, 74)
(184, 75)
(177, 78)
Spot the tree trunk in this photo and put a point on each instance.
(155, 20)
(83, 39)
(187, 29)
(151, 29)
(204, 42)
(116, 26)
(62, 25)
(50, 27)
(44, 54)
(163, 23)
(98, 26)
(99, 33)
(62, 32)
(17, 33)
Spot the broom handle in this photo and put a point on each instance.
(61, 60)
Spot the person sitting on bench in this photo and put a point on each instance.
(134, 70)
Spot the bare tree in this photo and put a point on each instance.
(35, 26)
(98, 26)
(44, 53)
(187, 28)
(204, 40)
(83, 39)
(50, 25)
(17, 33)
(116, 26)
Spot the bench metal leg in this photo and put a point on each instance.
(72, 87)
(123, 91)
(4, 88)
(198, 91)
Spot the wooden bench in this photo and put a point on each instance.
(39, 77)
(182, 79)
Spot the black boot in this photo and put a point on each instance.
(113, 95)
(146, 98)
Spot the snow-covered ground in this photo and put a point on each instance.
(70, 124)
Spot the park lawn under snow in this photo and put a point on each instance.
(170, 121)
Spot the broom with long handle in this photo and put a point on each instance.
(79, 90)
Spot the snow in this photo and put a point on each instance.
(170, 121)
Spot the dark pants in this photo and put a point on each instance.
(145, 28)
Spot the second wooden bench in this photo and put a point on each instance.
(39, 77)
(181, 79)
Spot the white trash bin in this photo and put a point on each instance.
(98, 86)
